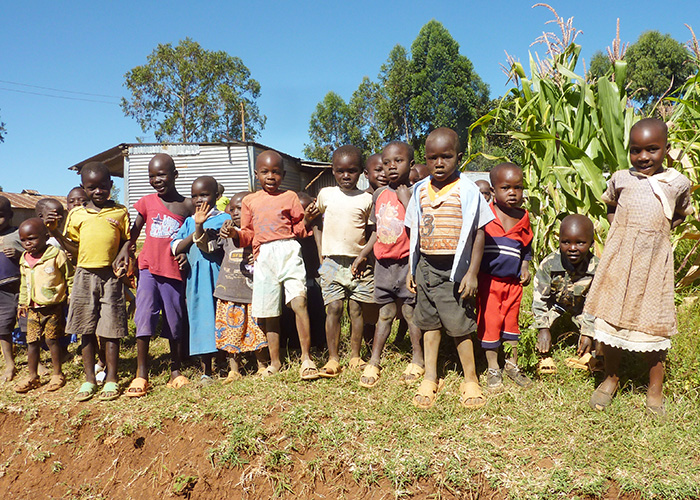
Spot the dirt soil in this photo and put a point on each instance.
(55, 457)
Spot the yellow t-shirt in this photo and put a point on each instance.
(98, 234)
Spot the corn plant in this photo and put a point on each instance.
(573, 134)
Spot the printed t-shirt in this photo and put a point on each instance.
(441, 222)
(269, 217)
(98, 234)
(346, 216)
(161, 226)
(389, 215)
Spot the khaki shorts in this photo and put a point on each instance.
(97, 305)
(48, 322)
(338, 283)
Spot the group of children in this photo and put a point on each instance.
(423, 244)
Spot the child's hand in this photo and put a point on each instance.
(468, 286)
(51, 220)
(22, 312)
(227, 229)
(10, 253)
(181, 260)
(410, 284)
(201, 213)
(358, 265)
(310, 213)
(544, 340)
(403, 193)
(525, 276)
(585, 345)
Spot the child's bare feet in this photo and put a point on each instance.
(9, 374)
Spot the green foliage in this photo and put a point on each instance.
(434, 87)
(186, 93)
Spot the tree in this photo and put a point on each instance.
(656, 64)
(186, 93)
(329, 128)
(3, 132)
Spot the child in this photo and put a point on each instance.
(346, 212)
(418, 172)
(446, 216)
(9, 285)
(221, 200)
(632, 295)
(96, 233)
(236, 330)
(197, 237)
(160, 287)
(391, 248)
(504, 272)
(374, 171)
(47, 276)
(561, 284)
(484, 189)
(46, 205)
(270, 220)
(76, 198)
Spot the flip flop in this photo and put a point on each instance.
(308, 370)
(86, 391)
(427, 389)
(232, 376)
(177, 382)
(546, 366)
(371, 374)
(27, 385)
(205, 380)
(600, 399)
(579, 363)
(411, 374)
(109, 392)
(267, 372)
(514, 373)
(138, 388)
(471, 391)
(56, 382)
(357, 364)
(657, 411)
(330, 370)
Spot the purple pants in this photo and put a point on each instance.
(155, 294)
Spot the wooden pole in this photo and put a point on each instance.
(243, 121)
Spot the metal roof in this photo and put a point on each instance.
(28, 198)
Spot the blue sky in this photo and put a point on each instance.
(298, 51)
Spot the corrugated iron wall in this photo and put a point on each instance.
(227, 163)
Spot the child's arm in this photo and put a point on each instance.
(525, 273)
(540, 296)
(359, 261)
(23, 301)
(51, 222)
(677, 220)
(611, 213)
(122, 259)
(470, 282)
(318, 238)
(200, 236)
(403, 193)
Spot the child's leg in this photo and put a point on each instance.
(8, 355)
(261, 359)
(356, 327)
(234, 362)
(370, 316)
(414, 333)
(387, 313)
(89, 345)
(655, 396)
(142, 344)
(56, 350)
(334, 311)
(111, 350)
(175, 358)
(271, 327)
(465, 350)
(613, 355)
(205, 361)
(33, 351)
(298, 305)
(431, 344)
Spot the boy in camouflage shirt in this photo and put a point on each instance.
(562, 282)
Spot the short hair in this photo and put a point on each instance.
(95, 168)
(6, 205)
(34, 221)
(574, 220)
(502, 166)
(445, 131)
(349, 150)
(44, 202)
(208, 181)
(651, 123)
(407, 147)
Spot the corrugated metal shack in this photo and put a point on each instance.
(231, 163)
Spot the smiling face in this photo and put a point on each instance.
(97, 186)
(441, 156)
(374, 170)
(575, 238)
(204, 190)
(33, 236)
(507, 183)
(269, 171)
(648, 146)
(162, 174)
(346, 170)
(397, 162)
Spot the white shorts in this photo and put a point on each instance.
(279, 264)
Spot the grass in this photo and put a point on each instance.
(538, 443)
